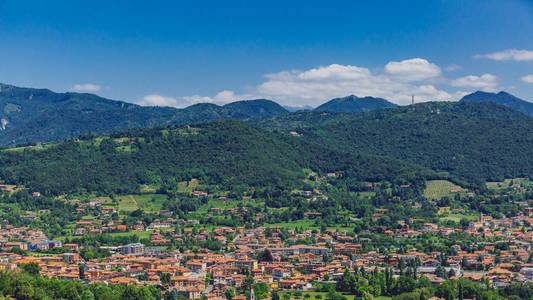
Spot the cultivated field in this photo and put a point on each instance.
(436, 189)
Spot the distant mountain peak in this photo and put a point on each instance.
(257, 108)
(352, 103)
(502, 98)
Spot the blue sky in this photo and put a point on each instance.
(295, 52)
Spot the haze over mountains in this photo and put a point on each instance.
(40, 115)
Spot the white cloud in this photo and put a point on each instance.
(87, 87)
(486, 82)
(415, 69)
(453, 67)
(194, 99)
(225, 97)
(396, 83)
(220, 98)
(528, 78)
(318, 85)
(510, 54)
(158, 100)
(334, 71)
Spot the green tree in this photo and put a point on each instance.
(81, 271)
(229, 293)
(248, 283)
(31, 268)
(87, 295)
(260, 290)
(367, 296)
(165, 278)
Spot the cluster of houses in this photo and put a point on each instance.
(295, 258)
(290, 264)
(25, 238)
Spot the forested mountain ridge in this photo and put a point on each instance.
(40, 115)
(353, 103)
(303, 119)
(315, 119)
(471, 141)
(226, 153)
(502, 98)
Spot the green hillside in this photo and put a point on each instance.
(304, 119)
(471, 141)
(226, 153)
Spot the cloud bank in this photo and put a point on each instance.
(317, 85)
(486, 82)
(396, 81)
(528, 78)
(158, 100)
(510, 54)
(87, 87)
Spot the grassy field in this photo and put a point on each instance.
(150, 202)
(324, 296)
(20, 149)
(306, 224)
(496, 185)
(310, 224)
(105, 200)
(188, 186)
(127, 203)
(457, 218)
(140, 234)
(436, 189)
(225, 204)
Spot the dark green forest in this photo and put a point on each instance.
(473, 142)
(468, 143)
(222, 153)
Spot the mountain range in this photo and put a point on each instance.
(40, 115)
(465, 142)
(258, 142)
